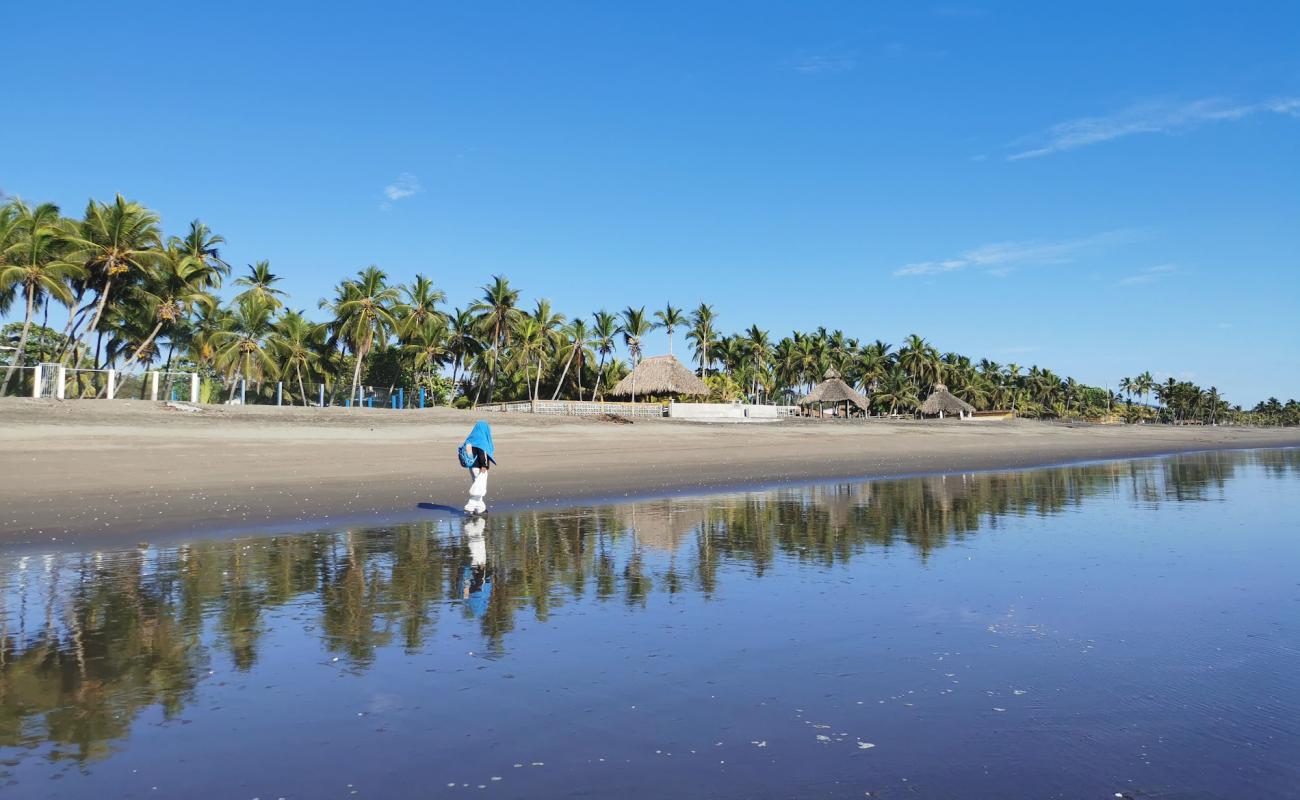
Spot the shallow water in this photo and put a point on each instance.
(1127, 627)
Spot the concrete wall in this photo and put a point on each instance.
(730, 412)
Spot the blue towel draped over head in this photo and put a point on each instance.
(481, 437)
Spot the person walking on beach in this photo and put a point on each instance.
(476, 454)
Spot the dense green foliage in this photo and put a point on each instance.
(134, 297)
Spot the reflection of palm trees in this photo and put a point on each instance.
(135, 629)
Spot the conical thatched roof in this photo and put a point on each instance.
(943, 400)
(661, 376)
(835, 390)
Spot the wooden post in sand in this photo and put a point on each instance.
(279, 393)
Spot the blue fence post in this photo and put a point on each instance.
(371, 401)
(348, 403)
(243, 386)
(392, 402)
(421, 397)
(322, 395)
(401, 397)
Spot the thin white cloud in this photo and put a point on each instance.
(1149, 275)
(823, 64)
(1001, 258)
(406, 185)
(1152, 117)
(1223, 326)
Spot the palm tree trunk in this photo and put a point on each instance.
(22, 338)
(99, 312)
(537, 395)
(496, 360)
(302, 390)
(600, 373)
(144, 345)
(563, 375)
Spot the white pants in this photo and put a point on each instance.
(477, 491)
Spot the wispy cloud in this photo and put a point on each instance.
(823, 64)
(406, 185)
(1152, 117)
(1001, 258)
(1149, 275)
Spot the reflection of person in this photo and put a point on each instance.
(475, 579)
(476, 454)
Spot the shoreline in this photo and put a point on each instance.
(131, 470)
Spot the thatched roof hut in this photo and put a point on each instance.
(942, 402)
(834, 390)
(660, 376)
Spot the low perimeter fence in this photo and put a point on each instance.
(580, 408)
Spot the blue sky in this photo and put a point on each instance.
(1101, 189)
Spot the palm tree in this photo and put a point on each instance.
(921, 361)
(297, 344)
(241, 350)
(461, 340)
(115, 241)
(260, 283)
(201, 244)
(427, 345)
(670, 319)
(703, 334)
(34, 263)
(421, 305)
(364, 315)
(604, 331)
(530, 344)
(497, 313)
(576, 347)
(760, 353)
(634, 326)
(170, 290)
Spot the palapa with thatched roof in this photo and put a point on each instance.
(941, 402)
(660, 376)
(834, 390)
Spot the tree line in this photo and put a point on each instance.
(128, 297)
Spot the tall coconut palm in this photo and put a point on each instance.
(242, 351)
(259, 284)
(297, 343)
(702, 333)
(34, 262)
(115, 241)
(461, 340)
(176, 285)
(427, 345)
(576, 347)
(604, 333)
(530, 347)
(364, 315)
(634, 326)
(921, 361)
(759, 347)
(497, 313)
(420, 306)
(202, 245)
(670, 318)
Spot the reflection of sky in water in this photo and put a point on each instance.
(1120, 627)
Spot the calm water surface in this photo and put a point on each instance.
(1126, 627)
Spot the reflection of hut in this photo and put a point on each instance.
(834, 390)
(660, 376)
(941, 402)
(662, 525)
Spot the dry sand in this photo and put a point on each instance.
(139, 469)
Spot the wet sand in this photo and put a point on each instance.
(139, 469)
